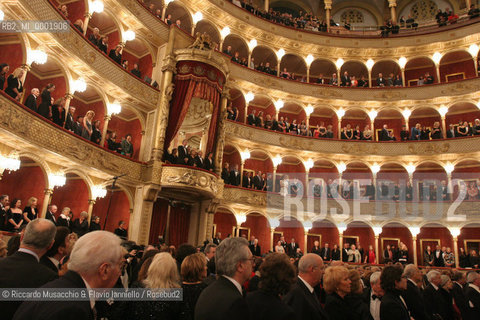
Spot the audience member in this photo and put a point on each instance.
(393, 306)
(14, 84)
(30, 212)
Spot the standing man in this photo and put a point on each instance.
(31, 101)
(50, 215)
(413, 296)
(373, 295)
(4, 206)
(325, 253)
(292, 248)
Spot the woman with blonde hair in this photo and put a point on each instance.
(30, 212)
(87, 124)
(162, 274)
(14, 84)
(193, 271)
(337, 284)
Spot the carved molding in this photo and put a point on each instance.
(210, 57)
(204, 183)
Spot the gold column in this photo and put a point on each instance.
(209, 228)
(167, 88)
(272, 230)
(164, 10)
(46, 202)
(167, 225)
(87, 16)
(305, 242)
(437, 69)
(68, 98)
(369, 78)
(274, 178)
(308, 74)
(241, 173)
(455, 251)
(220, 138)
(340, 245)
(403, 78)
(406, 124)
(25, 68)
(328, 7)
(267, 5)
(105, 128)
(372, 127)
(415, 258)
(444, 127)
(91, 202)
(377, 254)
(339, 128)
(468, 3)
(392, 4)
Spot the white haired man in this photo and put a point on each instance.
(413, 295)
(224, 298)
(373, 295)
(432, 297)
(31, 101)
(96, 262)
(473, 294)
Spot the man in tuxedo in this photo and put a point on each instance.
(252, 119)
(224, 298)
(325, 252)
(333, 80)
(385, 135)
(381, 81)
(209, 251)
(78, 126)
(388, 254)
(255, 248)
(199, 163)
(316, 248)
(96, 262)
(413, 296)
(438, 258)
(292, 248)
(182, 151)
(320, 79)
(284, 244)
(372, 295)
(345, 249)
(31, 101)
(335, 254)
(257, 181)
(4, 206)
(235, 176)
(247, 180)
(61, 247)
(302, 298)
(50, 215)
(345, 80)
(472, 293)
(444, 193)
(22, 269)
(226, 173)
(217, 239)
(459, 296)
(432, 296)
(69, 121)
(228, 51)
(135, 71)
(121, 231)
(404, 135)
(415, 132)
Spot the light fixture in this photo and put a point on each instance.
(167, 2)
(309, 59)
(449, 167)
(79, 85)
(274, 223)
(37, 56)
(114, 108)
(241, 218)
(245, 155)
(410, 168)
(9, 163)
(372, 114)
(414, 231)
(309, 110)
(2, 15)
(307, 225)
(473, 49)
(280, 53)
(455, 232)
(437, 56)
(129, 35)
(249, 97)
(56, 180)
(375, 168)
(279, 104)
(341, 167)
(198, 16)
(370, 64)
(308, 164)
(406, 113)
(341, 228)
(97, 6)
(339, 63)
(340, 113)
(377, 230)
(98, 192)
(225, 32)
(277, 160)
(443, 111)
(252, 44)
(402, 62)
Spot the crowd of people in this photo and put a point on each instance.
(228, 279)
(187, 155)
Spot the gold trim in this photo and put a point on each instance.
(234, 228)
(465, 241)
(319, 235)
(455, 74)
(357, 239)
(383, 247)
(422, 250)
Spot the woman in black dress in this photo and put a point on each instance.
(116, 54)
(45, 108)
(393, 307)
(80, 226)
(15, 216)
(95, 224)
(436, 132)
(14, 84)
(58, 112)
(30, 212)
(96, 134)
(4, 67)
(337, 284)
(193, 271)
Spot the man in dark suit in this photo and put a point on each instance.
(50, 215)
(121, 231)
(345, 80)
(224, 298)
(413, 296)
(292, 248)
(316, 248)
(199, 160)
(381, 81)
(104, 273)
(438, 257)
(257, 181)
(451, 131)
(4, 206)
(404, 135)
(22, 269)
(217, 239)
(235, 176)
(325, 253)
(255, 248)
(247, 180)
(385, 135)
(69, 121)
(345, 252)
(61, 247)
(459, 280)
(335, 254)
(284, 244)
(77, 129)
(472, 292)
(302, 297)
(226, 173)
(393, 307)
(210, 255)
(31, 101)
(252, 119)
(135, 71)
(432, 296)
(372, 295)
(182, 151)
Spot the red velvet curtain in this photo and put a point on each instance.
(179, 223)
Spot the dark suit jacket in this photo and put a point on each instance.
(221, 300)
(267, 306)
(234, 178)
(51, 217)
(31, 102)
(335, 254)
(255, 250)
(208, 164)
(225, 176)
(384, 136)
(338, 308)
(199, 162)
(392, 307)
(414, 299)
(305, 304)
(345, 81)
(460, 299)
(182, 153)
(325, 253)
(345, 255)
(317, 250)
(70, 122)
(58, 310)
(44, 260)
(251, 119)
(434, 302)
(44, 107)
(438, 262)
(473, 297)
(292, 250)
(21, 270)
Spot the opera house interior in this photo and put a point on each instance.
(191, 122)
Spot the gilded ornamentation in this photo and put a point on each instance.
(199, 70)
(203, 42)
(169, 91)
(429, 148)
(359, 149)
(184, 69)
(212, 58)
(199, 179)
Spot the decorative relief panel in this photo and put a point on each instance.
(204, 182)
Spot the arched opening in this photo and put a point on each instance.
(224, 222)
(324, 117)
(265, 60)
(176, 12)
(232, 157)
(457, 65)
(257, 171)
(290, 178)
(155, 7)
(468, 240)
(238, 105)
(359, 234)
(119, 209)
(11, 52)
(328, 233)
(29, 181)
(460, 112)
(233, 44)
(392, 118)
(392, 180)
(321, 71)
(353, 121)
(292, 230)
(74, 194)
(354, 69)
(466, 175)
(389, 70)
(295, 114)
(322, 173)
(179, 222)
(207, 27)
(136, 52)
(355, 179)
(108, 27)
(293, 67)
(426, 118)
(436, 236)
(427, 181)
(394, 234)
(257, 226)
(417, 68)
(76, 9)
(262, 106)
